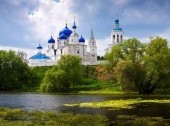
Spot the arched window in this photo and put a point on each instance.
(117, 38)
(121, 37)
(113, 36)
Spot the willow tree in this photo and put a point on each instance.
(68, 73)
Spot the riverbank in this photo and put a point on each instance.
(18, 117)
(96, 87)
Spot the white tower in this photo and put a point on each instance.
(92, 48)
(74, 37)
(117, 33)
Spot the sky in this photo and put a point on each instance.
(26, 23)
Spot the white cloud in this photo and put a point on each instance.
(102, 44)
(165, 34)
(50, 17)
(29, 52)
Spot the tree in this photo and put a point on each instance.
(114, 55)
(14, 73)
(157, 63)
(131, 49)
(143, 66)
(71, 64)
(127, 75)
(67, 73)
(55, 81)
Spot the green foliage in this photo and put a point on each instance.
(125, 120)
(131, 49)
(141, 66)
(157, 63)
(125, 74)
(38, 74)
(14, 114)
(114, 55)
(15, 73)
(55, 80)
(67, 74)
(71, 64)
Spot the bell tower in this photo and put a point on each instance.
(117, 33)
(92, 48)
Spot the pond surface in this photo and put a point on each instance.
(54, 102)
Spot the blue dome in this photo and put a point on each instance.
(40, 56)
(51, 40)
(66, 31)
(81, 39)
(117, 21)
(74, 26)
(39, 47)
(63, 36)
(61, 32)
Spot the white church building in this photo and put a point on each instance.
(68, 42)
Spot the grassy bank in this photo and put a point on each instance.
(117, 104)
(17, 117)
(98, 87)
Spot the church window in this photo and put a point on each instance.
(121, 37)
(117, 38)
(93, 55)
(77, 52)
(113, 36)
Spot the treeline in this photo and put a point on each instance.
(16, 75)
(140, 67)
(135, 66)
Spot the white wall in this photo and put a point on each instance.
(40, 62)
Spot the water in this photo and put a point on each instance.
(54, 102)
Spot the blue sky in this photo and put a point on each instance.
(25, 23)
